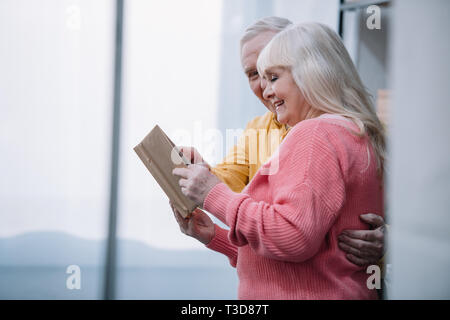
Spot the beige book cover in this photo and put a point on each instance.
(160, 155)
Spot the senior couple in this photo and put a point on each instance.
(309, 229)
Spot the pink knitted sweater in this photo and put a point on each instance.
(284, 226)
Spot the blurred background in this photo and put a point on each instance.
(82, 82)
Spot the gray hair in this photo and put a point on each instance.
(324, 72)
(274, 24)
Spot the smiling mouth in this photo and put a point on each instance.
(278, 104)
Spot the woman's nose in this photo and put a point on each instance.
(263, 83)
(267, 90)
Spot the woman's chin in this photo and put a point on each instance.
(281, 119)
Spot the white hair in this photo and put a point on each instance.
(324, 72)
(274, 24)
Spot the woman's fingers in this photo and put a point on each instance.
(198, 181)
(201, 218)
(183, 182)
(182, 222)
(191, 153)
(204, 164)
(198, 226)
(182, 172)
(187, 152)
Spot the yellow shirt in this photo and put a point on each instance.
(258, 142)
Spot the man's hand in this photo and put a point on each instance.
(198, 225)
(364, 247)
(196, 182)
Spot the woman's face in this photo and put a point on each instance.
(285, 96)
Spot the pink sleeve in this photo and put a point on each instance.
(220, 243)
(307, 192)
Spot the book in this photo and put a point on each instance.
(160, 155)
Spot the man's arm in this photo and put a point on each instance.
(365, 246)
(259, 140)
(234, 169)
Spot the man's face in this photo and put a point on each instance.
(249, 56)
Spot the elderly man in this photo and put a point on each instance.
(243, 161)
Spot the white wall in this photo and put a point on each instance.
(324, 11)
(419, 187)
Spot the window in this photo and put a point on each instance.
(55, 123)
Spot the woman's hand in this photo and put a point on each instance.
(193, 155)
(198, 225)
(364, 246)
(196, 182)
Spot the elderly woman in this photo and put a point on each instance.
(284, 226)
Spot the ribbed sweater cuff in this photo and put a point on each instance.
(217, 201)
(220, 242)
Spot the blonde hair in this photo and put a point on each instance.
(274, 24)
(324, 72)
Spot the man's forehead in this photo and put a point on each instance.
(250, 54)
(252, 48)
(249, 62)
